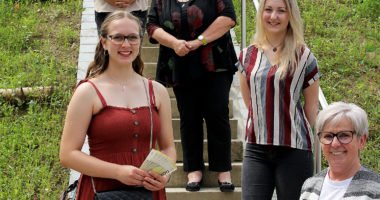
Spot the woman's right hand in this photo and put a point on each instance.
(131, 175)
(181, 48)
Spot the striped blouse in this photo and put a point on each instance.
(276, 115)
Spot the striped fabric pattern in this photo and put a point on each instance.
(365, 185)
(277, 115)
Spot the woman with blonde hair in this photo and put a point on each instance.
(276, 72)
(123, 114)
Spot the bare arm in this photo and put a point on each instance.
(165, 139)
(78, 117)
(311, 102)
(244, 89)
(217, 29)
(168, 40)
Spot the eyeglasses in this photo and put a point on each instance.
(344, 137)
(119, 39)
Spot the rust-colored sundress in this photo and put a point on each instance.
(120, 135)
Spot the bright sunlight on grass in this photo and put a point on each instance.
(39, 42)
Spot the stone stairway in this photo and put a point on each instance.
(176, 187)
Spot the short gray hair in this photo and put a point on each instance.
(336, 111)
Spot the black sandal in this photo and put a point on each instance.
(226, 186)
(194, 186)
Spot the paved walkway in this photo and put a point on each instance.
(88, 41)
(88, 38)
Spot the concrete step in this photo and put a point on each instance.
(146, 42)
(177, 132)
(150, 70)
(236, 150)
(176, 188)
(205, 193)
(171, 92)
(149, 54)
(210, 179)
(175, 112)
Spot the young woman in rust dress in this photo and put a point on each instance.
(116, 107)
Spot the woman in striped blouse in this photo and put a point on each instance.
(279, 81)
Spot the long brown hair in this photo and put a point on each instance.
(101, 58)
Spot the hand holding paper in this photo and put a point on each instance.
(159, 163)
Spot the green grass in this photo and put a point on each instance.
(29, 153)
(348, 52)
(39, 43)
(344, 36)
(33, 36)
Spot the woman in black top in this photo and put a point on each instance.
(198, 60)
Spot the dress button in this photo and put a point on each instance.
(133, 111)
(134, 150)
(136, 123)
(136, 135)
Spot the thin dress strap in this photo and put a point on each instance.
(104, 103)
(151, 93)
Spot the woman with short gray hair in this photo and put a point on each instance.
(336, 111)
(342, 130)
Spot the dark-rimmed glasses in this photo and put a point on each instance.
(344, 137)
(119, 39)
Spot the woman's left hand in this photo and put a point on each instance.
(193, 44)
(155, 181)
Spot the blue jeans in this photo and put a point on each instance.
(267, 167)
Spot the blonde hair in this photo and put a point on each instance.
(294, 39)
(101, 58)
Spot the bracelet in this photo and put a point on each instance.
(202, 39)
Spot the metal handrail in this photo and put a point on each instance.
(243, 25)
(322, 100)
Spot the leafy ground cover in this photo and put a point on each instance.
(39, 44)
(39, 41)
(344, 36)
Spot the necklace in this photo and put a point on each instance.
(122, 85)
(274, 48)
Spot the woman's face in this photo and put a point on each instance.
(342, 157)
(123, 41)
(275, 16)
